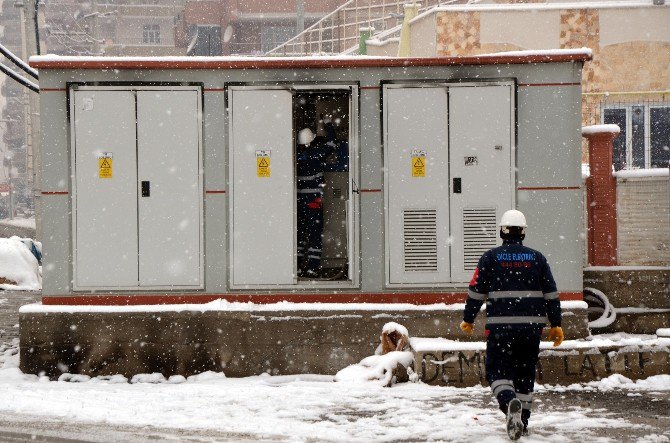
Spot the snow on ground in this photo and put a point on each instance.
(426, 344)
(19, 265)
(375, 368)
(225, 305)
(309, 407)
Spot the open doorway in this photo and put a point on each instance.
(321, 121)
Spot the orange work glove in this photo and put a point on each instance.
(467, 327)
(556, 334)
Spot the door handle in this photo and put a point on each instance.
(146, 188)
(457, 185)
(354, 187)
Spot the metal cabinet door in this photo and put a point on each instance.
(169, 188)
(416, 199)
(263, 200)
(105, 208)
(481, 139)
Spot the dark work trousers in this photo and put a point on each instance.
(310, 230)
(511, 359)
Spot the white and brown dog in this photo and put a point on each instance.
(396, 338)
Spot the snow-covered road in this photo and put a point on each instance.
(211, 407)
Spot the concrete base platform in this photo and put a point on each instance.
(447, 363)
(238, 339)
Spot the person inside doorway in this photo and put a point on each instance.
(321, 122)
(311, 156)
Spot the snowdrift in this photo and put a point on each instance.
(19, 269)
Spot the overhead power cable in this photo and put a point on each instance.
(24, 81)
(18, 62)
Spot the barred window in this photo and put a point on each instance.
(644, 141)
(151, 34)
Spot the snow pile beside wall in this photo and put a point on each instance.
(18, 265)
(376, 368)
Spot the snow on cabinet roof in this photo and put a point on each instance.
(51, 61)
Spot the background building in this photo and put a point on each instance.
(627, 83)
(254, 27)
(126, 28)
(111, 27)
(15, 155)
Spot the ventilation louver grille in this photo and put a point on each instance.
(420, 240)
(479, 234)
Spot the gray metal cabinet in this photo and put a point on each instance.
(262, 207)
(449, 176)
(137, 207)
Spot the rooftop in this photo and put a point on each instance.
(518, 57)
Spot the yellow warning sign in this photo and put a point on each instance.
(105, 165)
(263, 163)
(418, 163)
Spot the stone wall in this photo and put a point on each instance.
(565, 366)
(457, 33)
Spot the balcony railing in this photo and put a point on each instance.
(339, 31)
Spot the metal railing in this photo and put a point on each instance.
(339, 31)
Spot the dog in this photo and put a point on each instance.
(393, 341)
(396, 338)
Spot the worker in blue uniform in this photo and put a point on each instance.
(311, 159)
(520, 294)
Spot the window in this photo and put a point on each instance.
(644, 141)
(659, 133)
(273, 36)
(205, 41)
(151, 34)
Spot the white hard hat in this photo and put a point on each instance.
(513, 218)
(305, 136)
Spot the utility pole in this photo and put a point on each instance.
(300, 19)
(300, 22)
(29, 23)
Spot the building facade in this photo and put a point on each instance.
(111, 27)
(627, 83)
(227, 27)
(15, 157)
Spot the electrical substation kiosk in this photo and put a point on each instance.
(181, 175)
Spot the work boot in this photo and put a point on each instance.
(514, 423)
